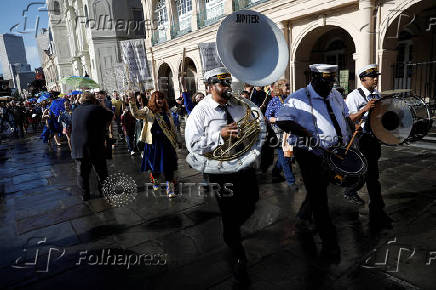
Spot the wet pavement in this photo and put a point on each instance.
(49, 238)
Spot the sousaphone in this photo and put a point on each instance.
(254, 50)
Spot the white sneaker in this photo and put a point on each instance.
(132, 153)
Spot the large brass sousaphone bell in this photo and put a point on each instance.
(254, 50)
(252, 47)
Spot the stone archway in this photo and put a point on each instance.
(191, 75)
(409, 49)
(326, 44)
(165, 81)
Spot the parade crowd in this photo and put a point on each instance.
(153, 126)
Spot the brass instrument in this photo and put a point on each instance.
(248, 132)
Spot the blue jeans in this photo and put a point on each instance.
(284, 163)
(130, 139)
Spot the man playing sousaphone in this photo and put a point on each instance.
(212, 123)
(359, 102)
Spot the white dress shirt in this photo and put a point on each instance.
(316, 120)
(355, 102)
(204, 124)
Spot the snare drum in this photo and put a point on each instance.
(400, 118)
(345, 170)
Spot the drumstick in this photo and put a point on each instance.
(354, 136)
(332, 153)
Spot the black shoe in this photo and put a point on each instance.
(277, 177)
(304, 226)
(380, 221)
(240, 273)
(331, 253)
(354, 199)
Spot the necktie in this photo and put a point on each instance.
(333, 118)
(228, 116)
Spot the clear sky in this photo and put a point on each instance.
(12, 14)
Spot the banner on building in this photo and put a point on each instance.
(135, 59)
(209, 56)
(343, 79)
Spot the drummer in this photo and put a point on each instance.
(318, 112)
(359, 102)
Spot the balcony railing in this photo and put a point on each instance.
(176, 32)
(158, 36)
(244, 4)
(210, 16)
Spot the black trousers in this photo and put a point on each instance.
(371, 149)
(316, 181)
(84, 166)
(236, 206)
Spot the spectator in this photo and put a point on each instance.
(128, 123)
(65, 120)
(89, 123)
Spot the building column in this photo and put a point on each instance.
(292, 76)
(388, 59)
(177, 87)
(284, 27)
(172, 17)
(147, 8)
(194, 15)
(228, 7)
(364, 43)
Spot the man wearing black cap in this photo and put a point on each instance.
(359, 102)
(211, 123)
(316, 115)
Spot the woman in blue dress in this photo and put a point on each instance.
(52, 128)
(160, 137)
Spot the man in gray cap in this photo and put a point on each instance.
(210, 124)
(360, 101)
(316, 113)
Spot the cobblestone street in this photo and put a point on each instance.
(42, 215)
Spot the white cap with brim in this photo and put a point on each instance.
(323, 68)
(214, 72)
(368, 70)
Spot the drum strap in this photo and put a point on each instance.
(362, 93)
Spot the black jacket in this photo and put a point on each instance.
(89, 123)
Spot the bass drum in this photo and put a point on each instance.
(400, 119)
(345, 168)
